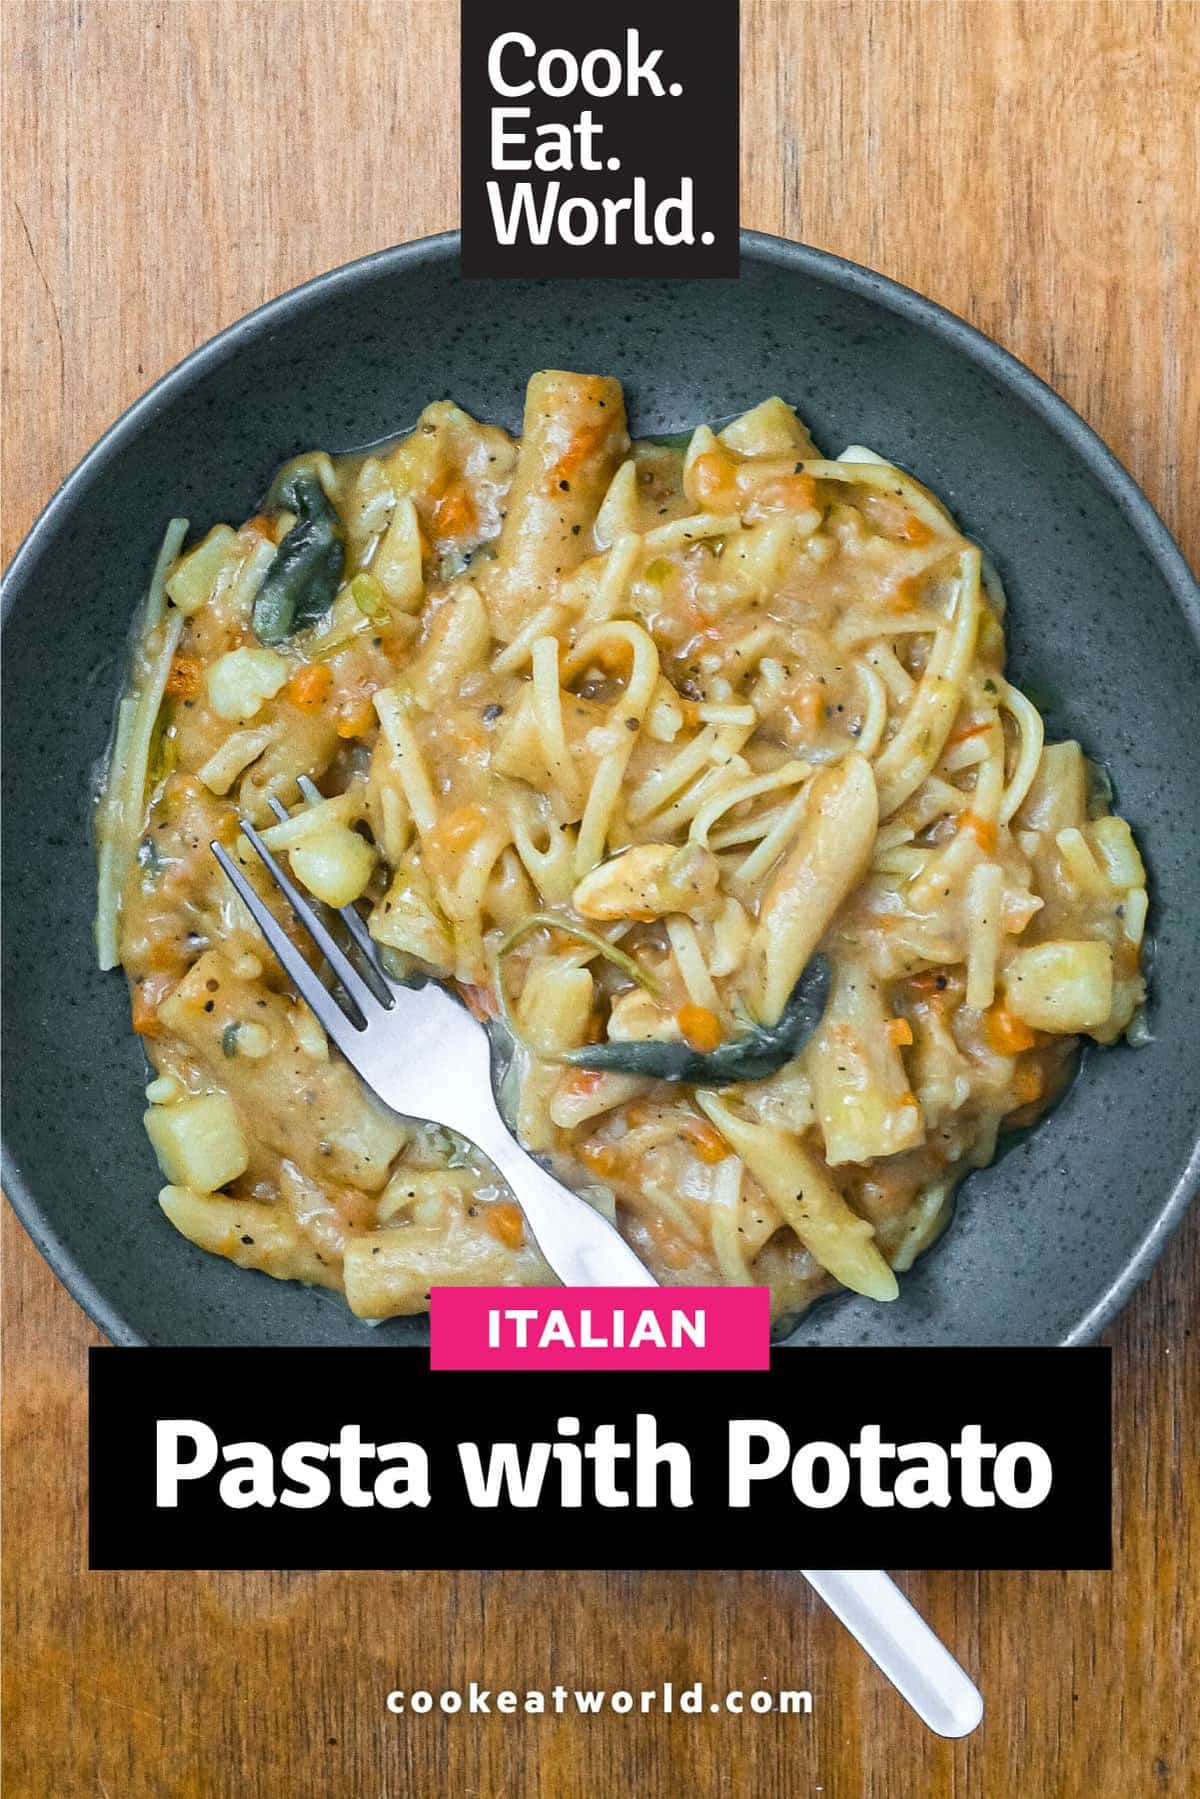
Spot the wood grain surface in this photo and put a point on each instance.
(169, 166)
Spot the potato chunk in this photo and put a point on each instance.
(195, 576)
(1061, 986)
(241, 680)
(335, 863)
(199, 1142)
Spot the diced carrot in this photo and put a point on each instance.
(785, 493)
(505, 1222)
(983, 830)
(900, 1032)
(706, 1140)
(712, 476)
(310, 686)
(458, 830)
(455, 515)
(183, 682)
(146, 998)
(914, 530)
(700, 1028)
(601, 1158)
(1006, 1033)
(904, 595)
(585, 443)
(356, 719)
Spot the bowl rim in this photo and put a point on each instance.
(756, 247)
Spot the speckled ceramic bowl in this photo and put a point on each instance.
(1105, 615)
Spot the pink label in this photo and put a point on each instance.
(599, 1327)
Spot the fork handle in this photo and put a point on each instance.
(583, 1248)
(902, 1645)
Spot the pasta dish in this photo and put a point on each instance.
(692, 766)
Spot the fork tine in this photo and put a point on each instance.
(355, 987)
(312, 990)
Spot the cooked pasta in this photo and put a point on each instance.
(692, 766)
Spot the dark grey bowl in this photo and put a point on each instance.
(1105, 614)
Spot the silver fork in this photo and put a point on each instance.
(426, 1057)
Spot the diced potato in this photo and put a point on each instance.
(199, 1142)
(241, 680)
(338, 1133)
(1058, 797)
(1119, 852)
(1061, 986)
(770, 429)
(196, 575)
(335, 864)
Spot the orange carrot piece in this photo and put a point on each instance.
(712, 475)
(1007, 1034)
(455, 515)
(601, 1158)
(458, 830)
(145, 1000)
(700, 1028)
(785, 493)
(506, 1222)
(183, 682)
(706, 1140)
(357, 719)
(309, 686)
(904, 595)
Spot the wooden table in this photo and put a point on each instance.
(169, 166)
